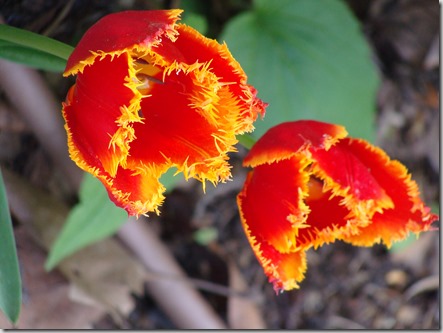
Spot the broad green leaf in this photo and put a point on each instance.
(94, 218)
(407, 242)
(35, 41)
(10, 282)
(198, 22)
(308, 60)
(31, 57)
(170, 178)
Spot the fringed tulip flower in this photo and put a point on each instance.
(149, 95)
(311, 185)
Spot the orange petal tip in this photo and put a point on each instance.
(286, 139)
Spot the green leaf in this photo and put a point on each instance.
(170, 178)
(403, 244)
(308, 60)
(35, 41)
(197, 14)
(31, 57)
(94, 218)
(32, 49)
(246, 140)
(10, 282)
(198, 22)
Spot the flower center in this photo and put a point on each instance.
(147, 75)
(315, 187)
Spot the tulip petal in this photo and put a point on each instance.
(121, 31)
(198, 49)
(271, 194)
(287, 139)
(328, 219)
(340, 166)
(264, 218)
(408, 213)
(92, 107)
(347, 182)
(137, 193)
(284, 270)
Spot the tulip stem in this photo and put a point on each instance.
(246, 140)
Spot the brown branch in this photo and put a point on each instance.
(179, 299)
(30, 96)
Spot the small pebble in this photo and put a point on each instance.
(396, 278)
(408, 315)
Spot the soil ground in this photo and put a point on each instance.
(346, 287)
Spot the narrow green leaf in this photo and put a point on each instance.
(10, 282)
(94, 218)
(35, 41)
(308, 60)
(31, 57)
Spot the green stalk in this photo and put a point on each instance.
(246, 140)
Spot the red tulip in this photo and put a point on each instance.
(149, 95)
(310, 185)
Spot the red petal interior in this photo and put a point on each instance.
(347, 170)
(191, 47)
(94, 107)
(269, 196)
(326, 212)
(171, 127)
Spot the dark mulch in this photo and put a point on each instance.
(346, 287)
